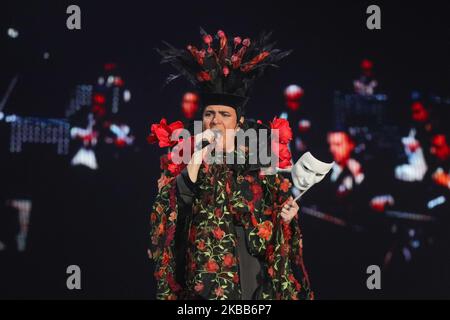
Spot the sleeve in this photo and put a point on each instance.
(164, 245)
(288, 278)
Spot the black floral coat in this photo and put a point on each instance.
(193, 236)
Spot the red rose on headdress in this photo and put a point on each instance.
(162, 132)
(237, 41)
(220, 34)
(226, 71)
(246, 42)
(203, 76)
(207, 39)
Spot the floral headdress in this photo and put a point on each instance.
(223, 69)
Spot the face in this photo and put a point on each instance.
(440, 148)
(222, 118)
(308, 171)
(418, 112)
(341, 146)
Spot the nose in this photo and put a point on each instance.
(309, 179)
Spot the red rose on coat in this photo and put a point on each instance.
(257, 192)
(218, 233)
(235, 278)
(219, 291)
(163, 132)
(285, 132)
(218, 212)
(165, 258)
(201, 245)
(228, 260)
(211, 266)
(285, 185)
(265, 230)
(199, 287)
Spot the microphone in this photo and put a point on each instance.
(204, 143)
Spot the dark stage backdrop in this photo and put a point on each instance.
(99, 219)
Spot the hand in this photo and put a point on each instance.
(208, 135)
(289, 210)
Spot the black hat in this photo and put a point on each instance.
(223, 69)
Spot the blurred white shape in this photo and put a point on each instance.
(2, 115)
(436, 202)
(110, 80)
(85, 157)
(283, 115)
(101, 81)
(11, 118)
(13, 33)
(46, 55)
(416, 167)
(126, 95)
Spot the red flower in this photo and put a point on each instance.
(283, 154)
(235, 60)
(211, 266)
(220, 34)
(165, 258)
(284, 134)
(271, 272)
(235, 278)
(285, 185)
(174, 286)
(246, 42)
(218, 212)
(199, 287)
(269, 253)
(257, 191)
(228, 260)
(163, 132)
(219, 291)
(175, 169)
(201, 245)
(265, 230)
(203, 76)
(237, 41)
(207, 39)
(218, 233)
(226, 71)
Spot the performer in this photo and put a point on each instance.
(226, 230)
